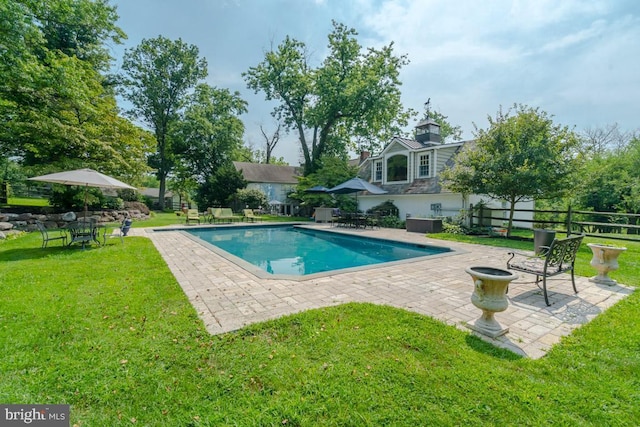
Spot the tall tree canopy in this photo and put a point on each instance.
(207, 136)
(353, 95)
(56, 107)
(522, 156)
(610, 180)
(157, 77)
(209, 130)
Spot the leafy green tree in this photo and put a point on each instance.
(610, 180)
(251, 198)
(354, 95)
(334, 171)
(209, 131)
(79, 28)
(10, 174)
(208, 134)
(522, 156)
(219, 188)
(57, 110)
(157, 76)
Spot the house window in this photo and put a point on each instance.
(397, 168)
(423, 166)
(378, 171)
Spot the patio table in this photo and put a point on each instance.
(85, 232)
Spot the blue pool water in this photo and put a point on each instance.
(299, 251)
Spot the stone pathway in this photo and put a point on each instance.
(228, 297)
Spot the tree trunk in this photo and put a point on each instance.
(305, 150)
(4, 192)
(511, 213)
(161, 191)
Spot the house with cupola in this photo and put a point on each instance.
(409, 169)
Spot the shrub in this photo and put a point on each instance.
(251, 198)
(391, 222)
(113, 203)
(385, 209)
(452, 228)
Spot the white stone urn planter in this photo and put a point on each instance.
(605, 259)
(490, 296)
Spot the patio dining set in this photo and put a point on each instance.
(84, 232)
(357, 220)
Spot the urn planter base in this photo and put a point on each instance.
(605, 259)
(488, 325)
(490, 296)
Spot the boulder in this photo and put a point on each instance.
(24, 217)
(69, 216)
(5, 226)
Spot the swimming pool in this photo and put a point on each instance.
(299, 251)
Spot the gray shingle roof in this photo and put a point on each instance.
(259, 172)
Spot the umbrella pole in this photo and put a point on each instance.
(85, 202)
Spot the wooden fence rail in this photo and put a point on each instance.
(612, 225)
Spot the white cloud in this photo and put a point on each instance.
(596, 29)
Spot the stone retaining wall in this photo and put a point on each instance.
(11, 223)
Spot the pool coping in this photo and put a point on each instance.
(258, 272)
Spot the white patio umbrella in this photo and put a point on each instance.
(85, 178)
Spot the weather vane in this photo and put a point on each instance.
(427, 105)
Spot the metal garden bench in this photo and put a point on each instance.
(558, 258)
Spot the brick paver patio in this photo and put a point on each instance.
(228, 297)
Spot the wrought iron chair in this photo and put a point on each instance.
(53, 234)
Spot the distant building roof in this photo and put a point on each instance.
(260, 172)
(155, 192)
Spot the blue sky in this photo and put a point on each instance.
(578, 60)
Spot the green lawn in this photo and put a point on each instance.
(110, 332)
(26, 201)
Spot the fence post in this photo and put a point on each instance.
(471, 215)
(569, 221)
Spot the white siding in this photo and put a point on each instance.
(419, 206)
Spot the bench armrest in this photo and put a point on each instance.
(526, 256)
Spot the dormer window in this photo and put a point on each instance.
(397, 168)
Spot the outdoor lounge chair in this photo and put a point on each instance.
(53, 234)
(193, 215)
(249, 215)
(558, 258)
(223, 215)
